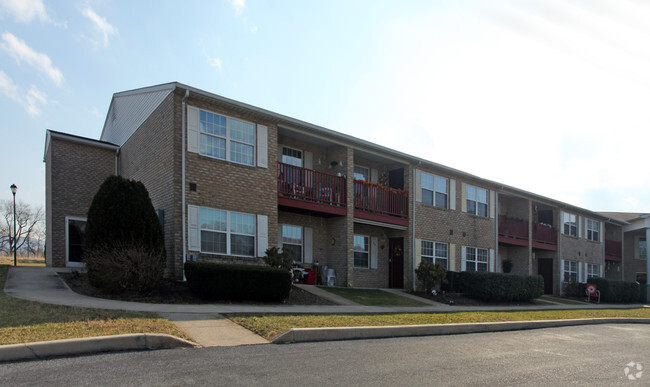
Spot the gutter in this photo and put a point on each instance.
(183, 215)
(413, 248)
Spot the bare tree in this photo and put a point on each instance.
(28, 221)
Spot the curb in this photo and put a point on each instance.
(302, 335)
(69, 347)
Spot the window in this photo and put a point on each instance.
(227, 138)
(477, 202)
(570, 271)
(230, 233)
(642, 248)
(476, 259)
(569, 224)
(593, 271)
(593, 230)
(435, 252)
(292, 156)
(75, 235)
(292, 240)
(361, 173)
(361, 252)
(434, 190)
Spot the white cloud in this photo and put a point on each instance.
(239, 6)
(21, 52)
(32, 101)
(100, 24)
(24, 11)
(215, 62)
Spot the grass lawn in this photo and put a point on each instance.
(560, 300)
(22, 261)
(269, 326)
(27, 321)
(373, 297)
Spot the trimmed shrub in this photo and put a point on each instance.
(452, 283)
(616, 291)
(280, 260)
(124, 246)
(430, 274)
(237, 282)
(500, 287)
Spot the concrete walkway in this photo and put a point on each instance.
(205, 323)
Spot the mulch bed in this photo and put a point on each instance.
(177, 292)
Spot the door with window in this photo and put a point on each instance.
(75, 233)
(545, 269)
(396, 263)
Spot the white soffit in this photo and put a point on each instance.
(128, 111)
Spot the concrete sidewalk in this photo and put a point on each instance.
(205, 323)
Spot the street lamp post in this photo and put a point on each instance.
(13, 191)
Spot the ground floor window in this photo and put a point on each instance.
(570, 271)
(593, 271)
(476, 259)
(361, 251)
(75, 235)
(226, 232)
(292, 241)
(436, 252)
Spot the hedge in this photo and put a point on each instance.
(500, 287)
(237, 282)
(617, 291)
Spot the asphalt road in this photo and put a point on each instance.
(584, 356)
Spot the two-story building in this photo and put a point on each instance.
(229, 180)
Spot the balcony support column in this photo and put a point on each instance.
(530, 237)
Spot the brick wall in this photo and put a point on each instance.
(74, 173)
(631, 264)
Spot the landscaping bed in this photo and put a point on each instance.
(177, 292)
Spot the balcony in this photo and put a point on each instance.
(613, 251)
(311, 190)
(513, 231)
(380, 204)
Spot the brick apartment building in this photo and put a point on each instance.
(229, 180)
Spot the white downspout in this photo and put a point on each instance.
(183, 133)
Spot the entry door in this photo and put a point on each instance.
(545, 269)
(396, 263)
(396, 178)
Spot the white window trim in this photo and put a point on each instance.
(564, 271)
(592, 230)
(476, 261)
(433, 190)
(434, 257)
(367, 172)
(67, 242)
(359, 251)
(590, 273)
(475, 199)
(574, 222)
(302, 154)
(302, 240)
(229, 139)
(228, 234)
(637, 250)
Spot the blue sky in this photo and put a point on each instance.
(548, 96)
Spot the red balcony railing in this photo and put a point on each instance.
(376, 202)
(309, 185)
(513, 229)
(613, 250)
(544, 237)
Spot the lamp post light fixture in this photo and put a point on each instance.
(13, 191)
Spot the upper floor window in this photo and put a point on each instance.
(361, 251)
(292, 240)
(477, 201)
(225, 232)
(292, 156)
(227, 138)
(435, 190)
(642, 248)
(361, 173)
(570, 271)
(476, 259)
(569, 224)
(435, 252)
(593, 230)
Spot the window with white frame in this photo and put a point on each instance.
(593, 230)
(642, 248)
(291, 156)
(570, 271)
(435, 252)
(225, 232)
(435, 190)
(227, 138)
(477, 201)
(361, 173)
(569, 224)
(292, 241)
(593, 270)
(476, 259)
(361, 252)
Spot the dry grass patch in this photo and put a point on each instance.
(269, 326)
(24, 321)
